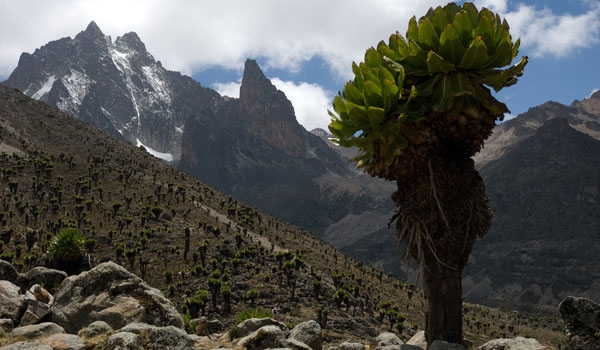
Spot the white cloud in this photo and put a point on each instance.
(310, 101)
(498, 6)
(230, 89)
(188, 35)
(508, 116)
(544, 33)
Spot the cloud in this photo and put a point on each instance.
(544, 33)
(593, 92)
(189, 36)
(498, 6)
(230, 89)
(310, 101)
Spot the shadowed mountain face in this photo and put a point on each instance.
(254, 149)
(545, 239)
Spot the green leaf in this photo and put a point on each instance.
(438, 18)
(339, 106)
(372, 58)
(376, 117)
(503, 78)
(501, 57)
(464, 27)
(436, 64)
(441, 99)
(426, 87)
(412, 33)
(476, 55)
(451, 48)
(399, 44)
(460, 85)
(428, 38)
(389, 91)
(516, 48)
(358, 79)
(372, 93)
(471, 10)
(353, 94)
(386, 51)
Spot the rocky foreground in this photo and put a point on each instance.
(108, 307)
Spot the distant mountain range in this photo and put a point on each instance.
(542, 174)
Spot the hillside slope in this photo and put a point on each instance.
(59, 172)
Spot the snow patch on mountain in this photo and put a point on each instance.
(157, 83)
(120, 59)
(77, 85)
(164, 156)
(45, 89)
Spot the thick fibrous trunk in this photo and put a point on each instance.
(443, 295)
(441, 214)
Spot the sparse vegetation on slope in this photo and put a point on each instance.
(207, 252)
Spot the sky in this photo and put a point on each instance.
(306, 47)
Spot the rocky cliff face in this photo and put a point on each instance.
(581, 115)
(544, 240)
(115, 86)
(254, 149)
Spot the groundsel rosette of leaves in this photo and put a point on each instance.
(412, 96)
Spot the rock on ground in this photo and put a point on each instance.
(582, 319)
(309, 333)
(518, 343)
(266, 337)
(110, 293)
(252, 324)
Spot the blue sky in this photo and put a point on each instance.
(307, 47)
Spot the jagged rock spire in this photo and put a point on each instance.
(255, 85)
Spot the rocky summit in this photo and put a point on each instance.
(116, 86)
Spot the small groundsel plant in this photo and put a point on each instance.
(249, 313)
(67, 246)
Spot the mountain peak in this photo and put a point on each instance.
(93, 29)
(131, 40)
(255, 85)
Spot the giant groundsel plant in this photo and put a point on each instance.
(419, 107)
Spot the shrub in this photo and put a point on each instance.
(67, 246)
(257, 312)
